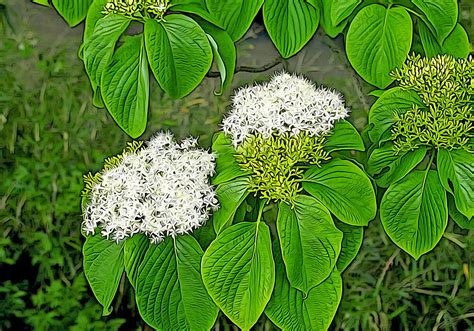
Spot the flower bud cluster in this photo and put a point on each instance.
(137, 8)
(273, 162)
(446, 87)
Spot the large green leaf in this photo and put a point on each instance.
(134, 251)
(341, 9)
(290, 24)
(235, 16)
(456, 172)
(310, 242)
(378, 41)
(196, 7)
(414, 212)
(179, 53)
(455, 44)
(386, 167)
(344, 136)
(93, 15)
(239, 272)
(103, 267)
(351, 242)
(227, 167)
(442, 14)
(230, 195)
(344, 189)
(381, 115)
(456, 216)
(290, 309)
(73, 11)
(125, 86)
(224, 51)
(99, 48)
(170, 293)
(326, 20)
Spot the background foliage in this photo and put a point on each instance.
(50, 134)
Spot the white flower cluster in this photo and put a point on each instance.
(288, 103)
(161, 190)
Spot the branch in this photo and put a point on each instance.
(215, 74)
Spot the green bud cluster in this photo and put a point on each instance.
(277, 163)
(446, 86)
(92, 179)
(137, 8)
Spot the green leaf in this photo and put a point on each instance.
(377, 93)
(179, 53)
(230, 195)
(342, 9)
(351, 243)
(310, 242)
(97, 100)
(456, 172)
(170, 293)
(125, 86)
(344, 189)
(205, 234)
(235, 16)
(378, 41)
(99, 48)
(239, 272)
(227, 167)
(456, 44)
(241, 212)
(93, 15)
(134, 251)
(39, 2)
(196, 7)
(290, 309)
(386, 167)
(73, 11)
(224, 52)
(456, 216)
(103, 267)
(381, 115)
(344, 136)
(219, 63)
(290, 24)
(414, 212)
(442, 14)
(326, 21)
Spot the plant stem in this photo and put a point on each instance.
(260, 209)
(433, 153)
(452, 237)
(413, 12)
(268, 66)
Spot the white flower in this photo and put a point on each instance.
(161, 190)
(288, 103)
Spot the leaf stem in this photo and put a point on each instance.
(421, 17)
(268, 66)
(413, 12)
(453, 238)
(260, 209)
(433, 153)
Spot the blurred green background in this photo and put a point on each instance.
(50, 135)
